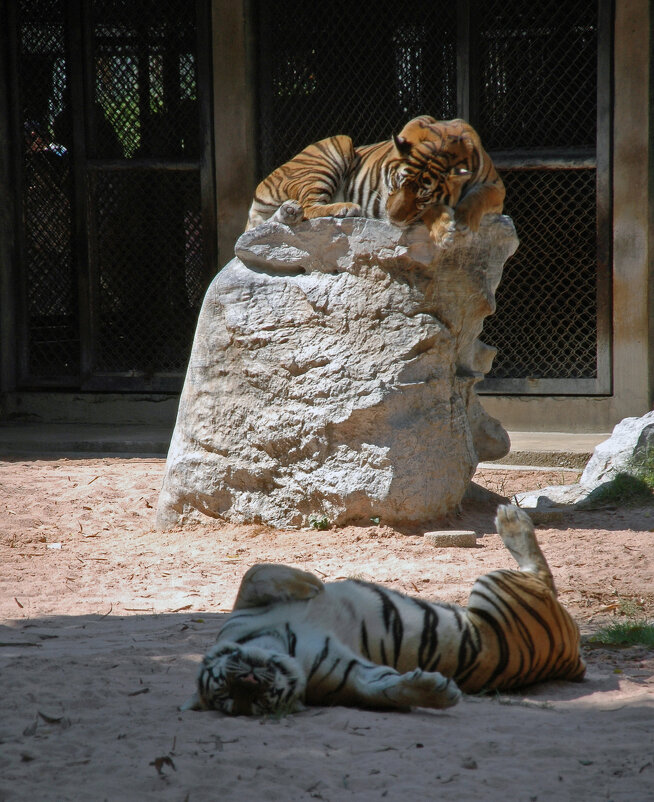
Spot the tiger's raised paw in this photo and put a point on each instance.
(512, 522)
(290, 213)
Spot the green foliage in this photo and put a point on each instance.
(626, 633)
(636, 630)
(625, 488)
(643, 468)
(321, 523)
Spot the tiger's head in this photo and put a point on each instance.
(431, 165)
(248, 681)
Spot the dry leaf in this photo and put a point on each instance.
(160, 762)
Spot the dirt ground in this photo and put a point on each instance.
(104, 621)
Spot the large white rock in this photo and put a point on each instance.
(631, 442)
(332, 377)
(630, 445)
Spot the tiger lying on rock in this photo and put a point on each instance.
(293, 640)
(434, 171)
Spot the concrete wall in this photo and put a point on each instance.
(153, 409)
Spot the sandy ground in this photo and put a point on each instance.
(104, 621)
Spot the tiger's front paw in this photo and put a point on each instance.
(442, 232)
(349, 210)
(290, 213)
(424, 689)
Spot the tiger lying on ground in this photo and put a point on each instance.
(434, 171)
(293, 640)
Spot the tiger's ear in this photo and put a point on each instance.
(469, 143)
(402, 145)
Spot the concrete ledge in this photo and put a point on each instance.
(83, 439)
(552, 449)
(528, 449)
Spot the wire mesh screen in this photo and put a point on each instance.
(150, 274)
(546, 320)
(538, 91)
(145, 79)
(351, 68)
(538, 75)
(108, 101)
(149, 263)
(529, 74)
(50, 281)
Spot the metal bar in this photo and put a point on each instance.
(144, 163)
(141, 28)
(136, 382)
(604, 193)
(22, 330)
(544, 160)
(464, 74)
(78, 59)
(9, 203)
(207, 182)
(534, 386)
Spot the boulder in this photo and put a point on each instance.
(626, 451)
(332, 377)
(630, 445)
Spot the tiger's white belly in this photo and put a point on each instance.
(354, 615)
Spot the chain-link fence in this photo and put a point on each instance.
(115, 258)
(545, 326)
(361, 68)
(116, 198)
(50, 298)
(537, 73)
(525, 74)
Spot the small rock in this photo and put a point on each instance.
(459, 539)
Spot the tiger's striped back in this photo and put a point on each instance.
(434, 171)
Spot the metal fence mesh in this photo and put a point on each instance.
(148, 245)
(545, 326)
(537, 74)
(145, 80)
(531, 69)
(149, 259)
(145, 259)
(354, 68)
(359, 68)
(50, 279)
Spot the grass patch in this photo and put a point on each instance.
(625, 633)
(632, 486)
(321, 523)
(624, 489)
(642, 467)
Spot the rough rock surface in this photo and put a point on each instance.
(332, 377)
(630, 443)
